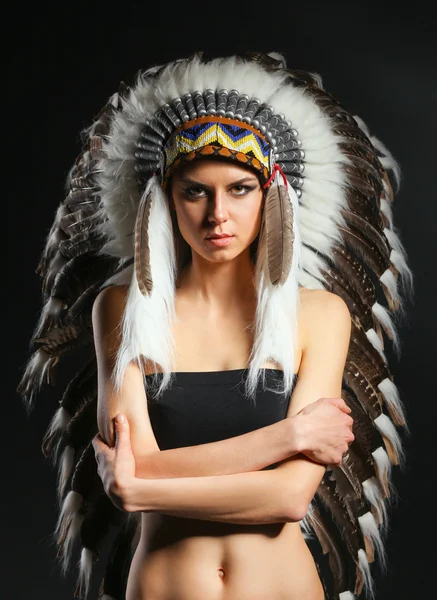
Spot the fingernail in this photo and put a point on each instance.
(120, 418)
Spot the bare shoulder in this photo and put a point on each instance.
(110, 302)
(322, 311)
(107, 313)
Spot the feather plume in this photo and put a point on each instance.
(279, 231)
(142, 253)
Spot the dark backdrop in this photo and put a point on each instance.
(65, 61)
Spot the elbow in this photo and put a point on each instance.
(295, 511)
(295, 505)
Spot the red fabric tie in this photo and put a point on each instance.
(276, 167)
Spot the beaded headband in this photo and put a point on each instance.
(218, 137)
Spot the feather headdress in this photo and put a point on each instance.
(327, 224)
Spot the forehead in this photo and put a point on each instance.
(213, 169)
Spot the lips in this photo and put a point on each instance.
(219, 236)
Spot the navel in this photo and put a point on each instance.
(221, 572)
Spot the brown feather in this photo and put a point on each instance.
(367, 436)
(279, 231)
(361, 224)
(328, 537)
(142, 252)
(330, 497)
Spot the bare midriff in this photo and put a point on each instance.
(189, 559)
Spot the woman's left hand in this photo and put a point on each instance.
(116, 466)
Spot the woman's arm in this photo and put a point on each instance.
(243, 498)
(271, 496)
(249, 452)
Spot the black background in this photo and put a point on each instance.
(65, 61)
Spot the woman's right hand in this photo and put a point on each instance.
(323, 430)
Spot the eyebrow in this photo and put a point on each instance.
(248, 178)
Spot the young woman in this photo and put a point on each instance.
(239, 363)
(234, 529)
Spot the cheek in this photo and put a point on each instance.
(189, 218)
(253, 214)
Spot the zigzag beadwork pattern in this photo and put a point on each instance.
(211, 131)
(214, 151)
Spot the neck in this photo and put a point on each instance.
(218, 287)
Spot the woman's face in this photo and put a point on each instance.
(213, 197)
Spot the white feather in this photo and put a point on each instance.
(346, 596)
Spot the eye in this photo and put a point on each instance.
(243, 190)
(194, 192)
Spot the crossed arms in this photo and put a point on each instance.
(222, 481)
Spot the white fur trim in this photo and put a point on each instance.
(392, 398)
(51, 308)
(346, 596)
(57, 426)
(370, 531)
(386, 158)
(65, 469)
(363, 565)
(386, 209)
(85, 569)
(276, 312)
(399, 261)
(383, 467)
(389, 431)
(147, 320)
(373, 337)
(36, 370)
(384, 317)
(373, 492)
(68, 525)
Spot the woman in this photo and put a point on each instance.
(246, 552)
(199, 342)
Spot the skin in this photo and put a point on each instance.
(225, 529)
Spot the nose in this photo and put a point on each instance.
(218, 207)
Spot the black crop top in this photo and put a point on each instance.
(208, 406)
